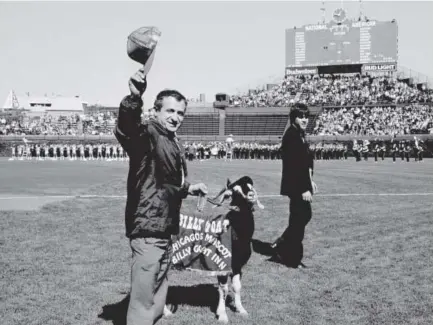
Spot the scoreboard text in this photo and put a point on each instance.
(351, 42)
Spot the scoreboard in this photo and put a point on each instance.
(343, 43)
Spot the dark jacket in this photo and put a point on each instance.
(297, 160)
(156, 181)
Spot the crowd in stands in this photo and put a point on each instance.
(39, 125)
(363, 105)
(98, 123)
(366, 120)
(341, 90)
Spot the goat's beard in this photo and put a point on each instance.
(253, 199)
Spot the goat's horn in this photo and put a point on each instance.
(220, 193)
(238, 189)
(226, 194)
(223, 190)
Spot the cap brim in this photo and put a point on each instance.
(149, 62)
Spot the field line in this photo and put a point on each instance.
(85, 196)
(375, 194)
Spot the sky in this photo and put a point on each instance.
(79, 48)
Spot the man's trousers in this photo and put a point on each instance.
(151, 259)
(291, 249)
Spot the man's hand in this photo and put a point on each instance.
(138, 83)
(197, 189)
(315, 188)
(306, 196)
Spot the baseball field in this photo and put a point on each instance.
(368, 247)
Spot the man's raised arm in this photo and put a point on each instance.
(129, 127)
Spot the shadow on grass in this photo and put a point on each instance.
(116, 312)
(202, 295)
(265, 249)
(262, 248)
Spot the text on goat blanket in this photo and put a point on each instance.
(202, 243)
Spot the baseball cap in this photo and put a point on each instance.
(142, 44)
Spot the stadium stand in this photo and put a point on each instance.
(99, 123)
(200, 124)
(255, 124)
(379, 119)
(335, 90)
(375, 120)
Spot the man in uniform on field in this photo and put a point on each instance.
(376, 149)
(418, 149)
(365, 149)
(401, 149)
(229, 147)
(407, 151)
(356, 148)
(382, 150)
(394, 149)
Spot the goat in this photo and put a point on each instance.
(240, 218)
(243, 198)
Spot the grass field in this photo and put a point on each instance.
(65, 260)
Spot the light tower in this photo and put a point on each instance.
(11, 101)
(15, 103)
(361, 11)
(323, 9)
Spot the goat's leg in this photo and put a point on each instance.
(237, 285)
(223, 290)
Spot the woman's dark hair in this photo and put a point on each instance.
(299, 110)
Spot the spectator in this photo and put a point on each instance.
(334, 90)
(410, 119)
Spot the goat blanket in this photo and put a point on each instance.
(202, 243)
